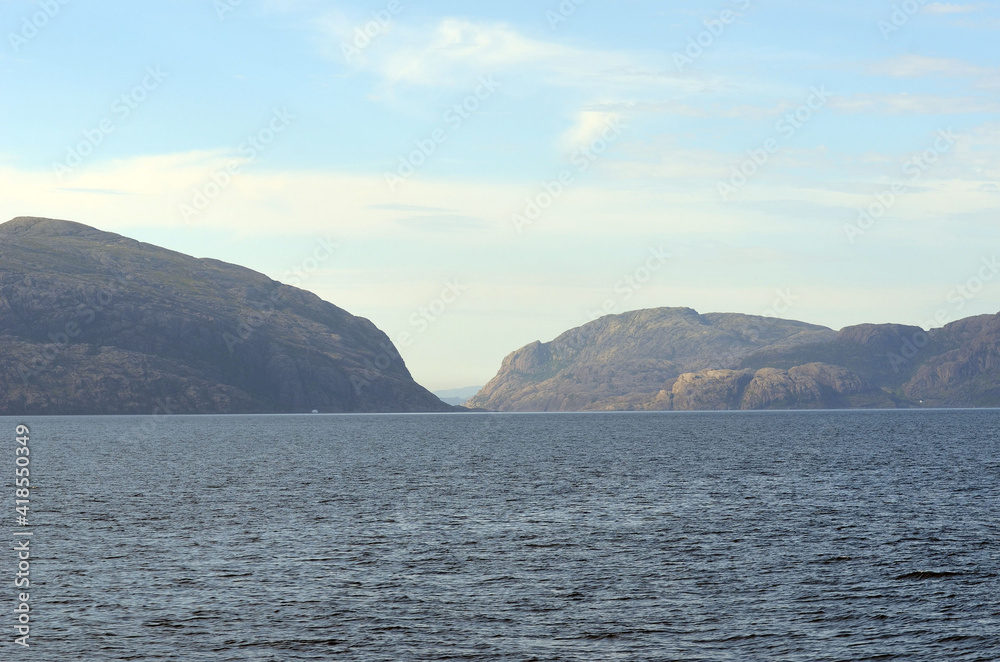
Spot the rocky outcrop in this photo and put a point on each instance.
(93, 322)
(710, 389)
(815, 385)
(811, 386)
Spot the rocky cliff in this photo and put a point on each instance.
(676, 359)
(95, 323)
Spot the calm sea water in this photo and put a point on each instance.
(722, 536)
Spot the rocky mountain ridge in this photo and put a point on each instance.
(678, 359)
(95, 323)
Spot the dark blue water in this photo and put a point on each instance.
(729, 536)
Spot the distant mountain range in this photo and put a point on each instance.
(94, 323)
(458, 396)
(677, 359)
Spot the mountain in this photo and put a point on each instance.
(94, 323)
(678, 359)
(458, 396)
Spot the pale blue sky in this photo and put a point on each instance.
(199, 77)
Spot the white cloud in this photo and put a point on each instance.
(913, 104)
(451, 51)
(949, 8)
(286, 6)
(912, 66)
(919, 66)
(676, 108)
(587, 128)
(454, 51)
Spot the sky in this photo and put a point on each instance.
(473, 177)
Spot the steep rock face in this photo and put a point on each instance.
(92, 322)
(710, 389)
(624, 361)
(773, 387)
(814, 385)
(811, 386)
(967, 372)
(530, 360)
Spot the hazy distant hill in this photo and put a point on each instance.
(458, 396)
(92, 322)
(677, 359)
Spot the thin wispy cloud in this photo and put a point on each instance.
(456, 50)
(448, 53)
(413, 208)
(588, 127)
(939, 8)
(915, 66)
(913, 104)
